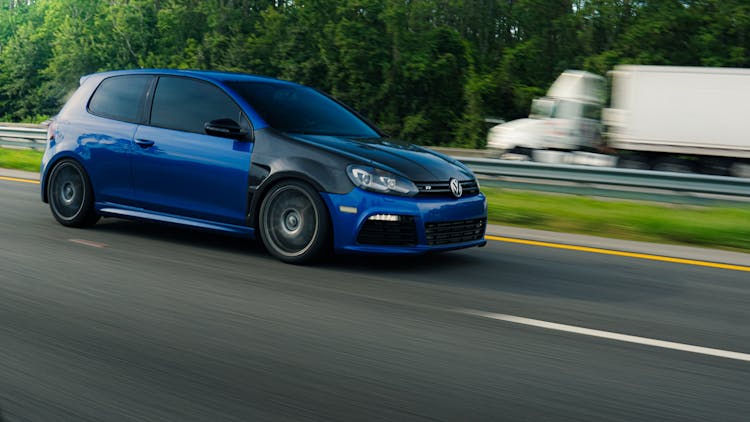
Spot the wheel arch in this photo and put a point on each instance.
(268, 234)
(54, 161)
(262, 191)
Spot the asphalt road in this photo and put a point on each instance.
(138, 322)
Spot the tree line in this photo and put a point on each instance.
(424, 70)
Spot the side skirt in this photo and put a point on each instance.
(133, 213)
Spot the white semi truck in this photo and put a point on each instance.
(690, 119)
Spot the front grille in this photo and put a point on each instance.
(389, 233)
(443, 189)
(455, 231)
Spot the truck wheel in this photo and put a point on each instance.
(740, 169)
(718, 166)
(674, 165)
(636, 162)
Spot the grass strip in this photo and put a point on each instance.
(726, 227)
(20, 159)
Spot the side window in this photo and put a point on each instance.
(567, 110)
(592, 111)
(542, 108)
(120, 97)
(188, 104)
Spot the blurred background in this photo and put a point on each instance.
(133, 321)
(429, 71)
(644, 85)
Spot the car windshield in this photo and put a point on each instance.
(298, 109)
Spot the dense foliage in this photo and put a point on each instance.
(424, 70)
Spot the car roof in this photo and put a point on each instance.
(213, 75)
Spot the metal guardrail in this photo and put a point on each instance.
(610, 177)
(25, 137)
(532, 175)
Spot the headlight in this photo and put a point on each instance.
(377, 180)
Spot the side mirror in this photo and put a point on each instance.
(226, 128)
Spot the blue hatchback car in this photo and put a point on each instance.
(252, 156)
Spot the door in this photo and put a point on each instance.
(106, 135)
(179, 169)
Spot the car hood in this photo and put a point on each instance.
(409, 160)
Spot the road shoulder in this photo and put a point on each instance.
(19, 174)
(675, 251)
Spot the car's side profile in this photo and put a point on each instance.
(252, 156)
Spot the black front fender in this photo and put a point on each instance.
(276, 157)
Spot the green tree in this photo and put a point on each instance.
(25, 51)
(425, 70)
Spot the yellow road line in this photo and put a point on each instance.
(620, 253)
(16, 179)
(560, 246)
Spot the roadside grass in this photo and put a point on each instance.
(726, 227)
(20, 159)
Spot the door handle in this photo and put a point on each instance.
(144, 143)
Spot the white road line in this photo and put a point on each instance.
(88, 243)
(609, 335)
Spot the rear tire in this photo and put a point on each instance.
(740, 169)
(674, 165)
(70, 196)
(294, 224)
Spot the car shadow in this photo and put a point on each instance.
(606, 280)
(180, 234)
(384, 264)
(478, 269)
(437, 262)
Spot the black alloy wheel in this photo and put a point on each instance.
(70, 195)
(294, 223)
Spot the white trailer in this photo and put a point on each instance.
(680, 118)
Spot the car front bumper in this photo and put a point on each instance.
(351, 212)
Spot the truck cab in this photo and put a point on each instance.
(567, 118)
(568, 124)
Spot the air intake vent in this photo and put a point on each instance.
(455, 231)
(389, 233)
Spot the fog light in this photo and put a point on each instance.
(384, 217)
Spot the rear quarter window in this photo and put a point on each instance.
(120, 98)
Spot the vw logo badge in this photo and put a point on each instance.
(456, 188)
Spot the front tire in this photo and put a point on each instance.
(70, 196)
(634, 161)
(294, 223)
